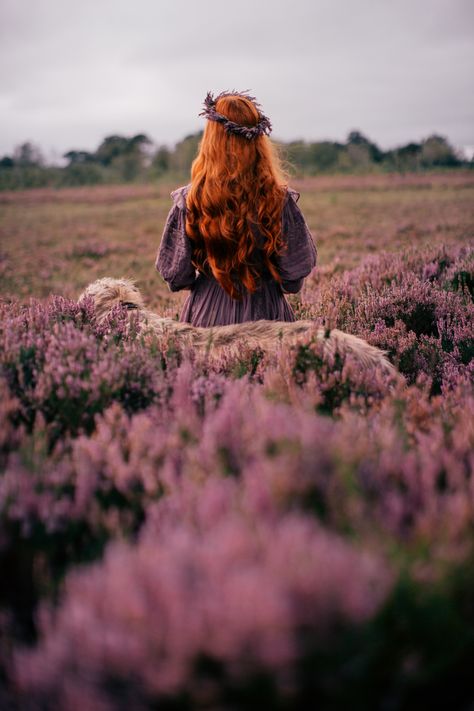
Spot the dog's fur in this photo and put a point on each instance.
(108, 292)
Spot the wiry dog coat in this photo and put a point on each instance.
(108, 292)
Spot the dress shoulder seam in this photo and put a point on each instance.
(179, 195)
(293, 193)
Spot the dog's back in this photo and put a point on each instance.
(263, 334)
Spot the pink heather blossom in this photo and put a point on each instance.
(195, 530)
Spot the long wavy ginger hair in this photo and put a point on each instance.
(235, 183)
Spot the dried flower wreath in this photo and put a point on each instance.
(249, 132)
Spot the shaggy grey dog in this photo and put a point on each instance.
(266, 335)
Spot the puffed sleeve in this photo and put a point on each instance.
(300, 255)
(173, 260)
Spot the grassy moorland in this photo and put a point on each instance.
(57, 241)
(279, 531)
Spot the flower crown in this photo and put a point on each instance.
(249, 132)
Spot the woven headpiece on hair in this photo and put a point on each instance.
(249, 132)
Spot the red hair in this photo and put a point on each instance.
(235, 182)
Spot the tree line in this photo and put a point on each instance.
(121, 159)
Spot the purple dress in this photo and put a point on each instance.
(208, 304)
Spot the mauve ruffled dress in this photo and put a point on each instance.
(208, 304)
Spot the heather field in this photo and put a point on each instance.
(283, 530)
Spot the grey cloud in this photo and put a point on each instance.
(72, 72)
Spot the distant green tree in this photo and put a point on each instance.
(28, 154)
(76, 157)
(357, 137)
(437, 151)
(7, 162)
(297, 155)
(140, 141)
(184, 153)
(127, 156)
(359, 155)
(128, 166)
(313, 157)
(368, 148)
(404, 158)
(87, 173)
(161, 160)
(114, 146)
(409, 150)
(110, 148)
(324, 155)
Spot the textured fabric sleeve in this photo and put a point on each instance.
(173, 260)
(300, 254)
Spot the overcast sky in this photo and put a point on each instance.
(72, 72)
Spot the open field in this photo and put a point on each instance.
(276, 530)
(57, 241)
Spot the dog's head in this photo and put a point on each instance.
(107, 292)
